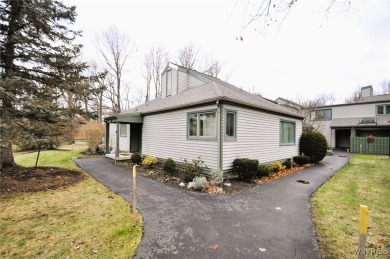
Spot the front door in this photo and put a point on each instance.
(135, 137)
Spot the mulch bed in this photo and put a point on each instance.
(29, 179)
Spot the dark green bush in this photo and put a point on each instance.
(245, 168)
(263, 170)
(301, 160)
(136, 157)
(169, 166)
(287, 164)
(313, 144)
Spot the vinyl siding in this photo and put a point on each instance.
(165, 135)
(360, 110)
(258, 137)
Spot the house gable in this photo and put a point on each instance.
(176, 79)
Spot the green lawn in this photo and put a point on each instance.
(364, 181)
(59, 158)
(82, 221)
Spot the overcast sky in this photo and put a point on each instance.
(311, 53)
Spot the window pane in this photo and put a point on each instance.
(207, 124)
(123, 130)
(230, 123)
(192, 124)
(379, 109)
(328, 114)
(288, 133)
(387, 109)
(169, 82)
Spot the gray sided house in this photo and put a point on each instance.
(198, 115)
(343, 124)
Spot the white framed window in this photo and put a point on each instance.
(230, 124)
(321, 115)
(383, 109)
(287, 133)
(202, 125)
(123, 130)
(169, 82)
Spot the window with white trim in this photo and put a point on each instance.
(287, 132)
(383, 109)
(169, 82)
(202, 125)
(123, 130)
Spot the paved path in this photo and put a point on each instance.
(181, 224)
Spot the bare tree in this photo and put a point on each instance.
(154, 61)
(313, 121)
(355, 96)
(385, 87)
(268, 12)
(115, 48)
(190, 56)
(99, 86)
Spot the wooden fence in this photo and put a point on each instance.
(379, 146)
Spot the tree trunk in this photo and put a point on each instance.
(6, 156)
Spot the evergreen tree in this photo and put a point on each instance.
(37, 53)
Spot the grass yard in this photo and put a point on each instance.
(365, 181)
(81, 221)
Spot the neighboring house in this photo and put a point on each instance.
(202, 116)
(289, 105)
(370, 115)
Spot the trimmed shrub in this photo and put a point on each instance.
(136, 157)
(169, 166)
(287, 164)
(245, 168)
(275, 167)
(313, 144)
(301, 160)
(93, 133)
(216, 177)
(263, 170)
(149, 161)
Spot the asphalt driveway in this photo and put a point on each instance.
(272, 220)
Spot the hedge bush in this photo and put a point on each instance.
(275, 166)
(136, 157)
(263, 170)
(169, 166)
(287, 164)
(245, 168)
(301, 160)
(313, 144)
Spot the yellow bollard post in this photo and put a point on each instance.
(363, 225)
(134, 195)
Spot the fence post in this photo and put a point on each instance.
(363, 224)
(134, 195)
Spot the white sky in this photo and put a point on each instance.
(312, 52)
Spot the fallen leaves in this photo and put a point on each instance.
(281, 173)
(214, 247)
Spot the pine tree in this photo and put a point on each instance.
(38, 53)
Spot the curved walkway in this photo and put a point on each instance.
(272, 220)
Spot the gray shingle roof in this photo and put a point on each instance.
(216, 90)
